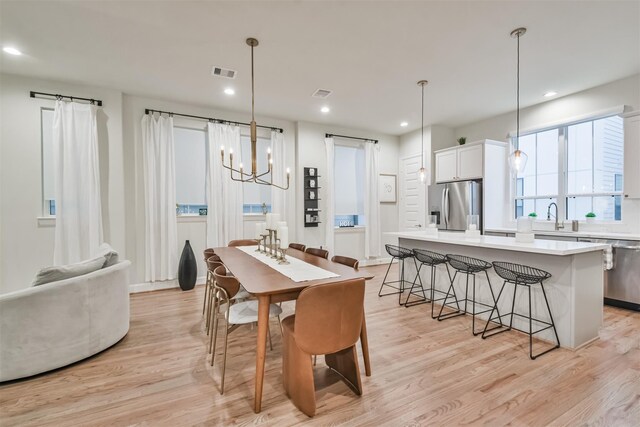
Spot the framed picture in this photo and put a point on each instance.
(387, 188)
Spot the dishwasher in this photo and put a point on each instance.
(622, 282)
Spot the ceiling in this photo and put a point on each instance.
(371, 54)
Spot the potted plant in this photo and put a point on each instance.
(533, 215)
(462, 140)
(590, 217)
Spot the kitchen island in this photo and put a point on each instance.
(574, 291)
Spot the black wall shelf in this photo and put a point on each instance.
(311, 187)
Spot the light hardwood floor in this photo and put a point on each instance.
(425, 372)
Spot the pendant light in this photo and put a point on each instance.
(518, 159)
(254, 176)
(422, 173)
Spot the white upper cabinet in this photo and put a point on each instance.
(632, 156)
(460, 163)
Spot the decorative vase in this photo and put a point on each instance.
(187, 268)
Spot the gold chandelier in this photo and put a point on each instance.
(254, 176)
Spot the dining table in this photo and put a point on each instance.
(270, 286)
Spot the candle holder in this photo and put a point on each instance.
(283, 258)
(263, 242)
(273, 242)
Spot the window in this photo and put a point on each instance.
(578, 166)
(48, 168)
(256, 195)
(190, 160)
(349, 170)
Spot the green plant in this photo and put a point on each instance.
(590, 215)
(533, 215)
(462, 140)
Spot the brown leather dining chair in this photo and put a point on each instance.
(345, 260)
(207, 253)
(298, 246)
(318, 252)
(213, 262)
(243, 242)
(328, 321)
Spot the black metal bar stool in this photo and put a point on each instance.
(522, 275)
(399, 253)
(469, 267)
(429, 259)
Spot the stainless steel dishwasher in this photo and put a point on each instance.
(622, 282)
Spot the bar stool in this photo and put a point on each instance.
(522, 275)
(400, 254)
(429, 259)
(469, 267)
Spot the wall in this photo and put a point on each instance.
(311, 153)
(27, 241)
(621, 92)
(436, 137)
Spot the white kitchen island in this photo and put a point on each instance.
(575, 289)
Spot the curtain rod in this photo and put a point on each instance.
(33, 94)
(331, 135)
(210, 119)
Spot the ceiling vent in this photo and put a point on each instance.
(321, 93)
(223, 72)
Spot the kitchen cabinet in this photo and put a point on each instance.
(470, 163)
(632, 156)
(460, 163)
(446, 166)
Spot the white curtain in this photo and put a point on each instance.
(279, 171)
(329, 196)
(224, 196)
(161, 241)
(77, 181)
(371, 201)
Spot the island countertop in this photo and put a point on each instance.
(547, 247)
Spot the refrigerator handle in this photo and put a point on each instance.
(446, 206)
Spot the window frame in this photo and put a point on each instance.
(563, 196)
(45, 204)
(359, 220)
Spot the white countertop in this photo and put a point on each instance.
(547, 247)
(576, 234)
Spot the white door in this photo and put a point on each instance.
(412, 194)
(446, 166)
(470, 162)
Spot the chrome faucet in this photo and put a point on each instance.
(559, 226)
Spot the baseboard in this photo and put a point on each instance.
(156, 286)
(376, 261)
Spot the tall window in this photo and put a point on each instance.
(48, 169)
(349, 173)
(578, 166)
(191, 165)
(256, 197)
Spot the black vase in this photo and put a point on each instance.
(187, 268)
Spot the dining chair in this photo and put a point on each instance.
(298, 246)
(318, 252)
(209, 252)
(328, 321)
(345, 260)
(243, 242)
(213, 262)
(226, 287)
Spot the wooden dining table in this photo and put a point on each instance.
(270, 286)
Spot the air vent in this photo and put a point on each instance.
(223, 72)
(321, 93)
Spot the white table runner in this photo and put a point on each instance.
(297, 270)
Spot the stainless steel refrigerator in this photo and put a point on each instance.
(453, 201)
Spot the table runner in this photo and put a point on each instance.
(297, 270)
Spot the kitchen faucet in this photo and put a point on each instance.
(559, 226)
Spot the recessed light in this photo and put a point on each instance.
(550, 94)
(12, 51)
(325, 109)
(404, 124)
(229, 91)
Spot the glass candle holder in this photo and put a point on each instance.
(525, 224)
(432, 221)
(473, 222)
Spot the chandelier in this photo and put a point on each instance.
(253, 176)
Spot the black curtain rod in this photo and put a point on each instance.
(330, 135)
(98, 102)
(210, 119)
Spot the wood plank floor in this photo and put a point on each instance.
(425, 372)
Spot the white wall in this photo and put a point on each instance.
(27, 242)
(621, 92)
(311, 153)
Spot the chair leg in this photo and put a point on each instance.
(553, 326)
(484, 332)
(493, 296)
(384, 281)
(345, 363)
(206, 294)
(297, 376)
(224, 356)
(270, 341)
(214, 330)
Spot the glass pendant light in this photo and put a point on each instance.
(422, 173)
(518, 159)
